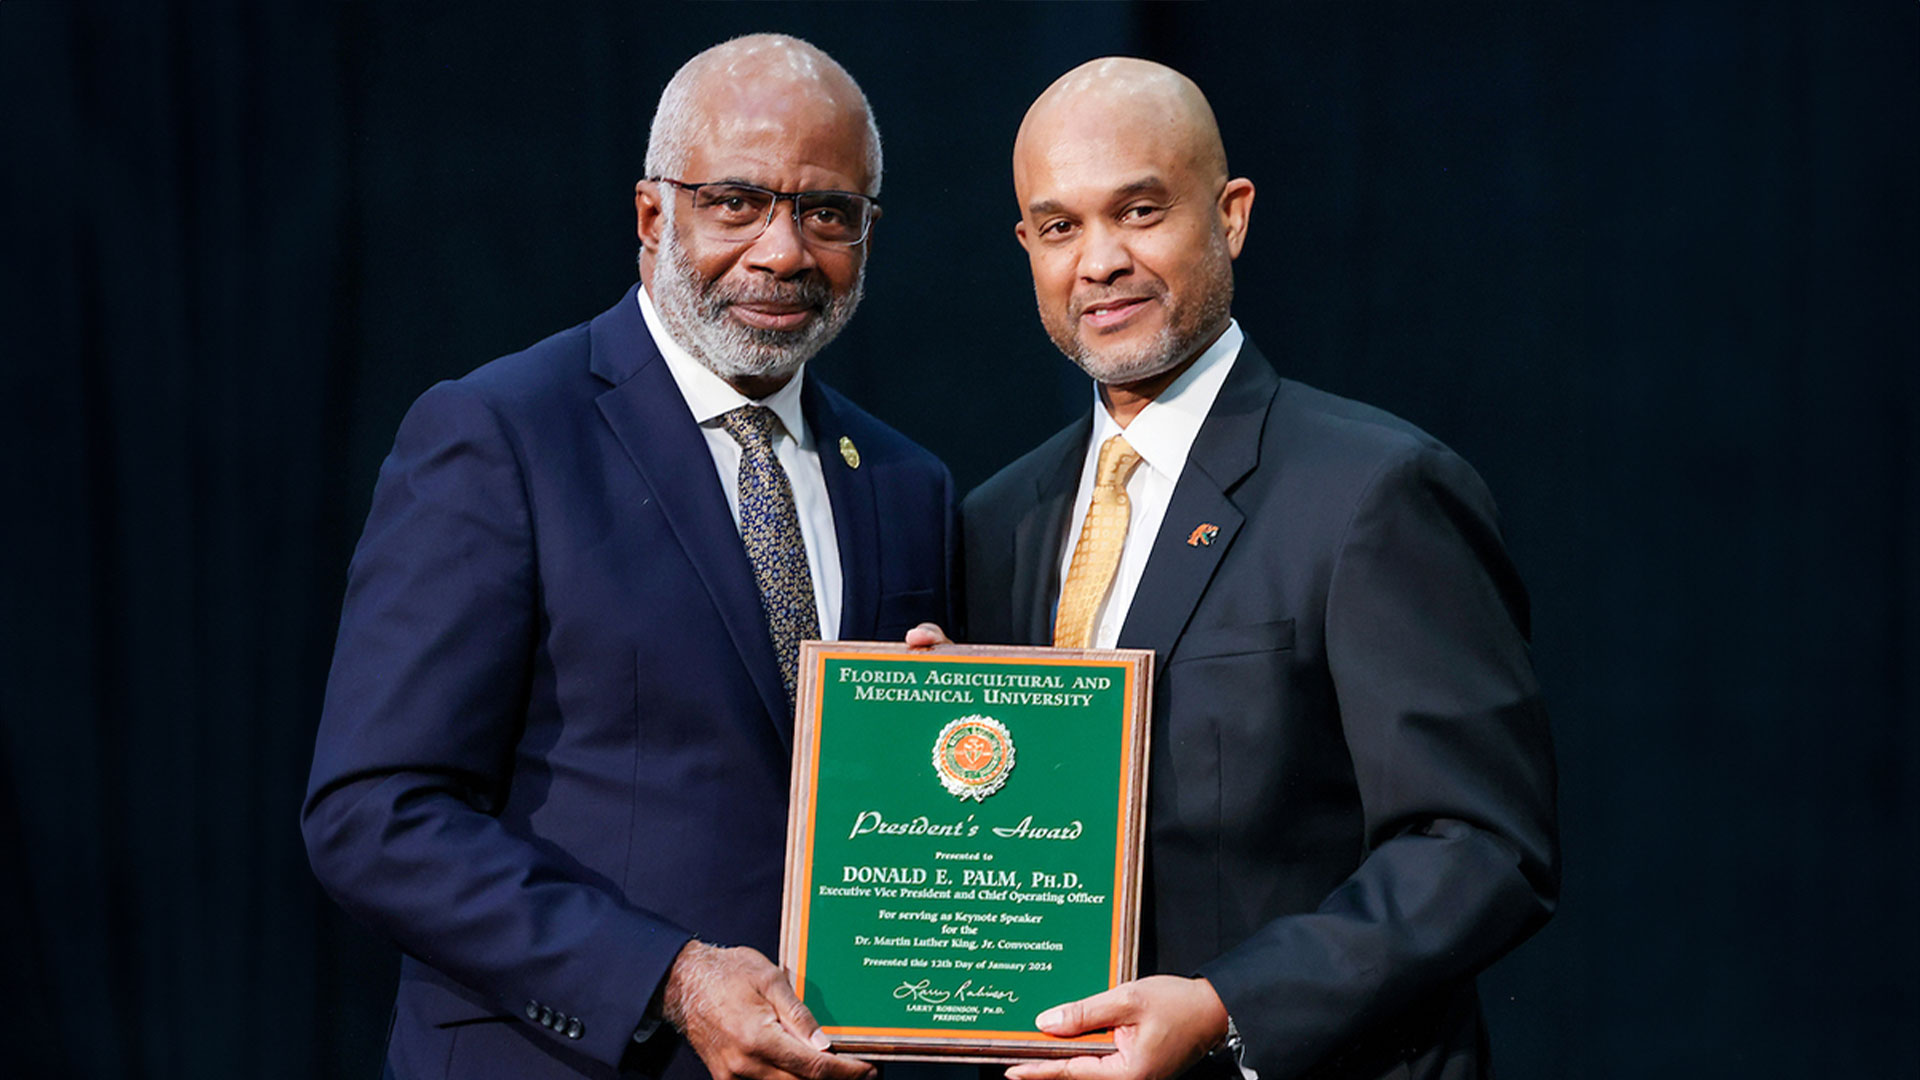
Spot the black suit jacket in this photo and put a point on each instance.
(1352, 788)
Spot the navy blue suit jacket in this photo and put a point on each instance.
(555, 742)
(1351, 797)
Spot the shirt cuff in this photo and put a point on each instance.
(1236, 1049)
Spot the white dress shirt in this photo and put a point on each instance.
(1162, 433)
(709, 397)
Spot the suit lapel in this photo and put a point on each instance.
(856, 523)
(650, 418)
(1179, 566)
(1039, 534)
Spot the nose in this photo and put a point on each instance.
(1104, 257)
(781, 250)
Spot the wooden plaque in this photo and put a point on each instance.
(963, 844)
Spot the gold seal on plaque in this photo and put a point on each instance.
(973, 756)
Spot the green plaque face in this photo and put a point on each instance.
(963, 848)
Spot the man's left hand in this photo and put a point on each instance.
(927, 635)
(1161, 1025)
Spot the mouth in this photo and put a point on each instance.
(1113, 312)
(772, 315)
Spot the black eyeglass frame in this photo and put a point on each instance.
(794, 197)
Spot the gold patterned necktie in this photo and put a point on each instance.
(770, 526)
(1097, 554)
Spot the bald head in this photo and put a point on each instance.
(760, 81)
(1122, 97)
(1130, 222)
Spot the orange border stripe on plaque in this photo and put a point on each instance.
(1120, 828)
(805, 899)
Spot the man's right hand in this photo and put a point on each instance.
(741, 1016)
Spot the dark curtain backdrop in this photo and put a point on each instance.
(1652, 269)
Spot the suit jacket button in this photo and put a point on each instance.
(533, 1010)
(575, 1028)
(546, 1016)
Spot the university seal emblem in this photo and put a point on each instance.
(973, 756)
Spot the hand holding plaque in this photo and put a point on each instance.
(1161, 1025)
(964, 843)
(739, 1014)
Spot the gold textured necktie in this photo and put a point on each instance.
(1097, 554)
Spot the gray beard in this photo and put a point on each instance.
(695, 314)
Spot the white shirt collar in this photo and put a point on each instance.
(1163, 431)
(708, 395)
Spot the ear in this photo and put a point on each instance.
(1236, 210)
(649, 215)
(1022, 234)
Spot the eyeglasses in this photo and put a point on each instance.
(738, 213)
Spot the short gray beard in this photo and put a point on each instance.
(1168, 348)
(695, 313)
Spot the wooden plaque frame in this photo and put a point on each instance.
(1013, 1039)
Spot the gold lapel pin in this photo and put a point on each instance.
(1202, 535)
(848, 453)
